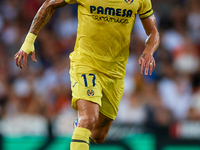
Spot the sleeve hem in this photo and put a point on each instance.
(146, 12)
(146, 16)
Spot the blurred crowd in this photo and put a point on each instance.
(31, 99)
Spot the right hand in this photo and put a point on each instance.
(147, 63)
(21, 57)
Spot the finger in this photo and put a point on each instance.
(33, 56)
(140, 61)
(151, 68)
(25, 61)
(16, 59)
(16, 55)
(142, 67)
(20, 61)
(154, 64)
(147, 67)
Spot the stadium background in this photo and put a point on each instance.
(161, 111)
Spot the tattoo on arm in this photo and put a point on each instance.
(105, 122)
(44, 13)
(143, 55)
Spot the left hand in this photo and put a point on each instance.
(147, 63)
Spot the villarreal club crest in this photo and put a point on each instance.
(129, 1)
(90, 92)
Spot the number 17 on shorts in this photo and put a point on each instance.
(87, 87)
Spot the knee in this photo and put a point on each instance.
(87, 122)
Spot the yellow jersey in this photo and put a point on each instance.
(103, 35)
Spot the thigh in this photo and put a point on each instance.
(88, 114)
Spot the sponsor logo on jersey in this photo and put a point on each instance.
(111, 11)
(109, 14)
(129, 1)
(90, 92)
(110, 19)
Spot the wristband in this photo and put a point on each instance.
(28, 45)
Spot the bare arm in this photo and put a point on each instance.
(153, 41)
(146, 60)
(41, 18)
(44, 13)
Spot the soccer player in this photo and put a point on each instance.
(98, 62)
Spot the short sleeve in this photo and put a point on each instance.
(145, 9)
(71, 1)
